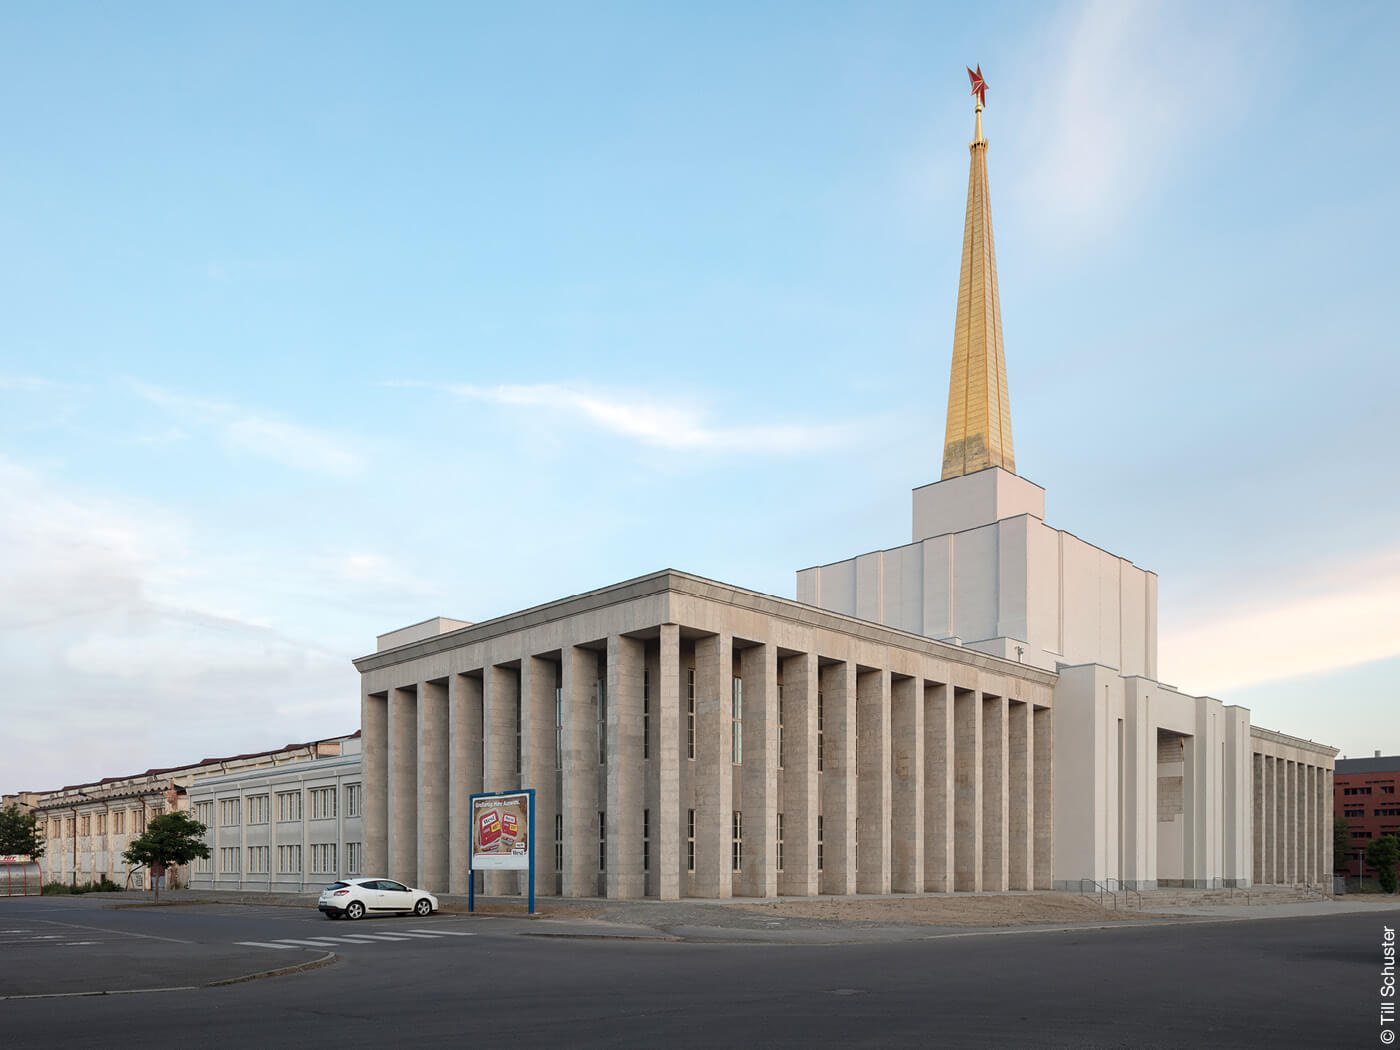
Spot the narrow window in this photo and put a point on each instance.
(690, 718)
(821, 733)
(780, 842)
(602, 842)
(690, 840)
(780, 726)
(738, 720)
(820, 843)
(518, 766)
(646, 714)
(559, 717)
(558, 842)
(737, 846)
(602, 691)
(646, 840)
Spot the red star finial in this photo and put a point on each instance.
(979, 85)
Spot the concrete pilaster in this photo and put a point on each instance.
(1257, 808)
(967, 779)
(1043, 747)
(464, 718)
(994, 793)
(537, 757)
(759, 667)
(801, 801)
(403, 785)
(838, 779)
(499, 695)
(714, 773)
(939, 767)
(434, 832)
(1020, 768)
(374, 750)
(670, 829)
(873, 794)
(907, 801)
(1290, 822)
(580, 780)
(626, 792)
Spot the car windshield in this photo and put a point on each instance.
(338, 886)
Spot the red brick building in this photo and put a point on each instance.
(1366, 794)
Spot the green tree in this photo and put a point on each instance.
(1382, 855)
(169, 839)
(1341, 842)
(19, 832)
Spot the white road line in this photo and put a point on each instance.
(265, 944)
(443, 933)
(108, 929)
(405, 933)
(383, 936)
(304, 944)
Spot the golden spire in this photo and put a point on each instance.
(979, 409)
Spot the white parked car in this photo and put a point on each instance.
(356, 898)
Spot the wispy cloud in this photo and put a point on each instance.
(1124, 89)
(1340, 618)
(24, 383)
(291, 444)
(652, 421)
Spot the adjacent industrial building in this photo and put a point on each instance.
(87, 827)
(976, 710)
(1366, 794)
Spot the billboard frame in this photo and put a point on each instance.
(471, 828)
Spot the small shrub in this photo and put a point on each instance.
(57, 889)
(63, 889)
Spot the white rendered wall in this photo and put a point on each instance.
(999, 584)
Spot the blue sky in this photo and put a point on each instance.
(321, 321)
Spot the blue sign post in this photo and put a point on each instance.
(494, 838)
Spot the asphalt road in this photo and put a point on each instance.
(1277, 983)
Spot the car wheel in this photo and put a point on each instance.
(354, 910)
(423, 908)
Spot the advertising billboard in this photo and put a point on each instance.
(500, 830)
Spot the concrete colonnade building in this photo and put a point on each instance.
(978, 709)
(687, 738)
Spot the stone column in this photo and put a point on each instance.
(463, 771)
(838, 779)
(1257, 816)
(1324, 814)
(1270, 820)
(873, 795)
(499, 694)
(374, 749)
(801, 798)
(939, 768)
(967, 774)
(994, 795)
(580, 780)
(434, 832)
(625, 768)
(714, 766)
(1290, 822)
(1043, 745)
(670, 822)
(759, 667)
(537, 756)
(907, 802)
(403, 785)
(1020, 767)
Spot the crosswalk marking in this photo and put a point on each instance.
(444, 933)
(383, 936)
(425, 936)
(266, 944)
(306, 944)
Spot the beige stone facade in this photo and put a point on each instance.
(687, 738)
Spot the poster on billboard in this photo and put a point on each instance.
(501, 832)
